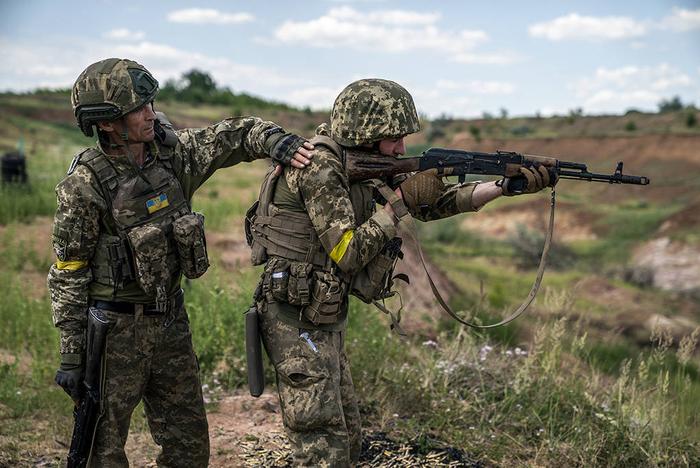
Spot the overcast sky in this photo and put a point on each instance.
(456, 57)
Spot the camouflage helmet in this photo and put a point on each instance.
(370, 110)
(109, 89)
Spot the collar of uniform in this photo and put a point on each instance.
(152, 153)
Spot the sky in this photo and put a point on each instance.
(457, 58)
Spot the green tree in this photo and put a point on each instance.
(671, 105)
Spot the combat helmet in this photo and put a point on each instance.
(370, 110)
(109, 89)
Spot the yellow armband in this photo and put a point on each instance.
(341, 247)
(71, 265)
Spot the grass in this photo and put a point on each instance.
(462, 390)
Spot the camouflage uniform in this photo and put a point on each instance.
(148, 356)
(316, 392)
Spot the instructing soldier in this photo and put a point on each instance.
(321, 239)
(124, 234)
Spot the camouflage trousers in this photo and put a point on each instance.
(145, 360)
(317, 397)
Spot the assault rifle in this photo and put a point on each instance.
(362, 165)
(87, 412)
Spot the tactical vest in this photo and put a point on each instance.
(272, 231)
(149, 234)
(298, 270)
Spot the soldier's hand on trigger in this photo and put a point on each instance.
(535, 178)
(69, 375)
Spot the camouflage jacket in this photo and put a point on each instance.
(81, 210)
(351, 235)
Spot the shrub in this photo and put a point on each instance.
(475, 132)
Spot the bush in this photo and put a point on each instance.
(527, 246)
(630, 126)
(475, 132)
(691, 120)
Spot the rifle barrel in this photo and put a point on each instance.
(612, 179)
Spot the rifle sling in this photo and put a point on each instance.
(411, 230)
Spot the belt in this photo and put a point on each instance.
(174, 304)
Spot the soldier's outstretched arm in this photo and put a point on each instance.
(75, 234)
(325, 191)
(200, 152)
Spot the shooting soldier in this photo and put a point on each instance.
(124, 234)
(322, 239)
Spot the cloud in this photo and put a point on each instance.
(681, 20)
(316, 97)
(124, 34)
(392, 31)
(477, 86)
(611, 90)
(208, 16)
(62, 62)
(575, 26)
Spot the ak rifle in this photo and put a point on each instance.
(362, 165)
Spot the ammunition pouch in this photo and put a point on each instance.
(188, 232)
(321, 294)
(149, 245)
(112, 264)
(288, 281)
(327, 298)
(300, 278)
(375, 280)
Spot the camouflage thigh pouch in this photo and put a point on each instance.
(188, 232)
(309, 384)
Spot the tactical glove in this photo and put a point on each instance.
(70, 375)
(282, 146)
(422, 190)
(530, 180)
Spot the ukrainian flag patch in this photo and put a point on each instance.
(157, 203)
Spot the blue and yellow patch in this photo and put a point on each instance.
(157, 203)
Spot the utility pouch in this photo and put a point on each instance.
(150, 248)
(299, 291)
(327, 295)
(112, 263)
(374, 281)
(188, 232)
(276, 280)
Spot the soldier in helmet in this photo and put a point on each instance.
(124, 234)
(321, 239)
